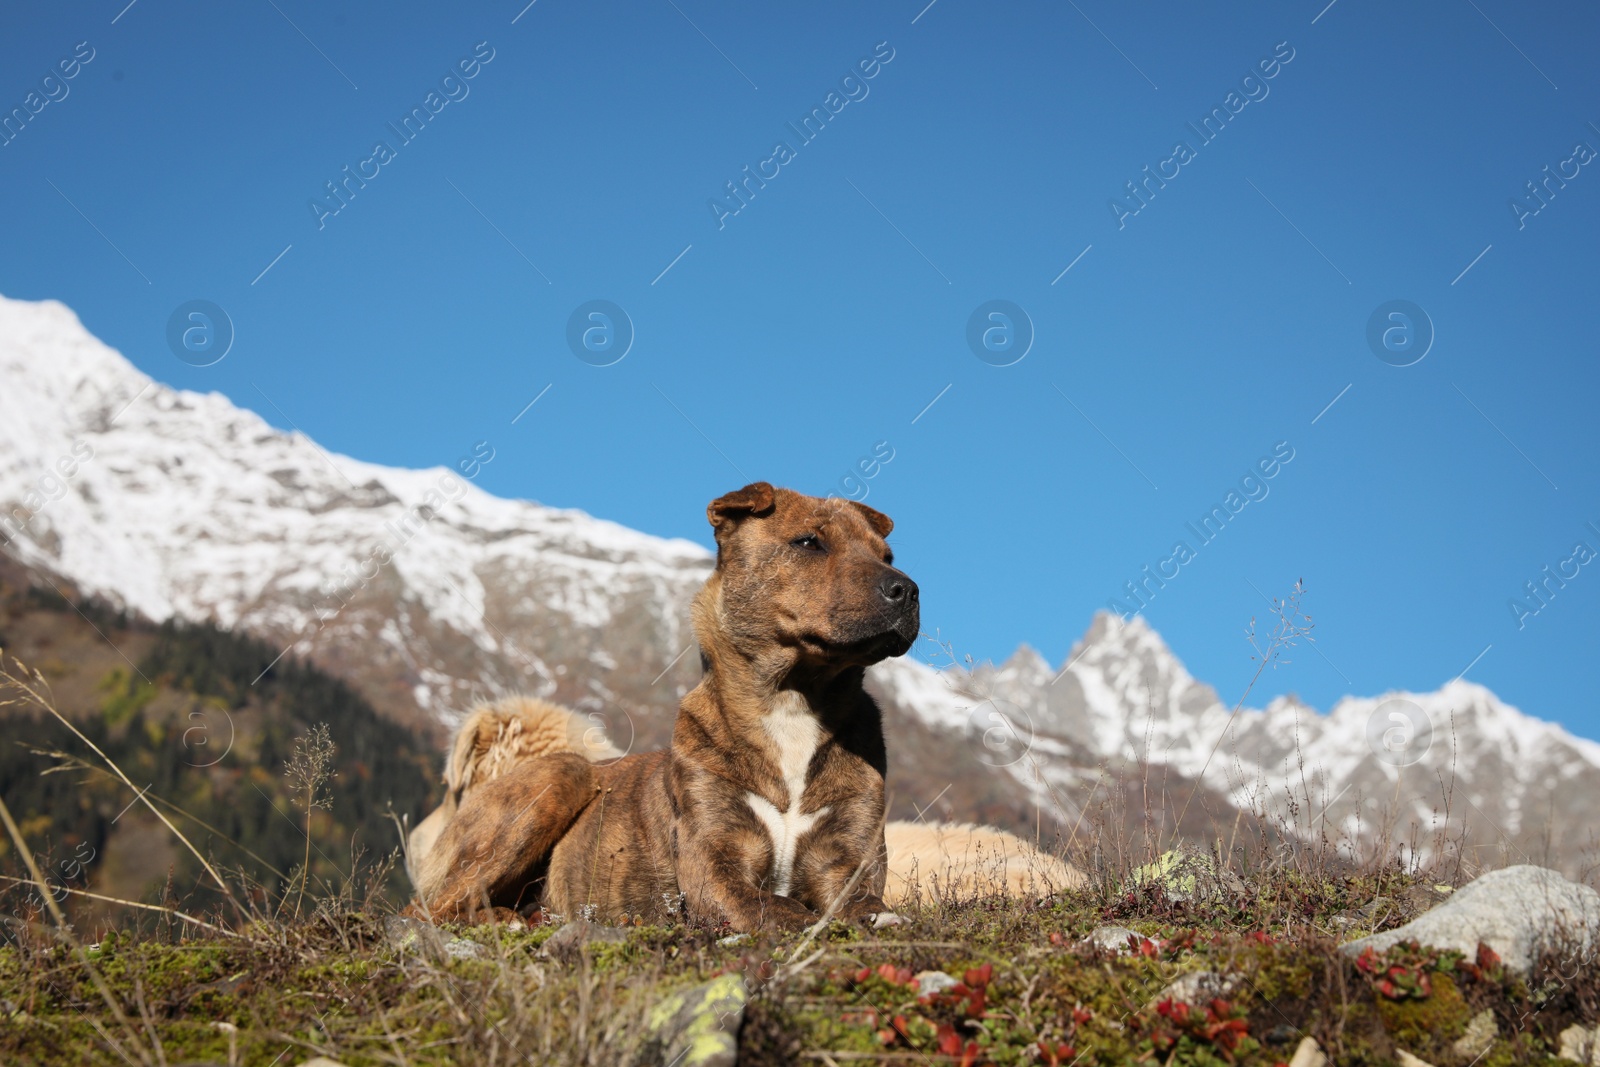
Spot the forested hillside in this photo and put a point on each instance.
(205, 723)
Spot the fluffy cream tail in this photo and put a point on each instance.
(962, 860)
(490, 741)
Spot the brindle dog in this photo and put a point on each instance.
(771, 796)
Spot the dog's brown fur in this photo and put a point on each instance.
(926, 860)
(771, 797)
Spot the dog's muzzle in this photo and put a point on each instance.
(900, 596)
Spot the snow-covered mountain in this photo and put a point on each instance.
(176, 503)
(1402, 766)
(428, 593)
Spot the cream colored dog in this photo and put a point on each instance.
(490, 741)
(959, 861)
(934, 860)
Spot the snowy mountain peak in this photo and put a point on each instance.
(1027, 663)
(1110, 640)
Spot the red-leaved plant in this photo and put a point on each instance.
(1178, 1026)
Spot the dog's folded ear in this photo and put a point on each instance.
(754, 499)
(880, 523)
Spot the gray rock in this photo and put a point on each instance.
(1201, 987)
(1187, 875)
(415, 936)
(1480, 1034)
(567, 943)
(1309, 1054)
(426, 940)
(1581, 1045)
(1111, 938)
(1520, 912)
(698, 1027)
(935, 982)
(459, 948)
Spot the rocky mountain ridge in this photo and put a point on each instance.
(428, 593)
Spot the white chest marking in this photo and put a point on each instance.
(795, 733)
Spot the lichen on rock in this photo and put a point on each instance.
(697, 1027)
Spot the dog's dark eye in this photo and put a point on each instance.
(810, 542)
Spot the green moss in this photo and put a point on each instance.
(1434, 1021)
(338, 987)
(610, 955)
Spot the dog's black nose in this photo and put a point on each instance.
(897, 589)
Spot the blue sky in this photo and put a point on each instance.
(979, 162)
